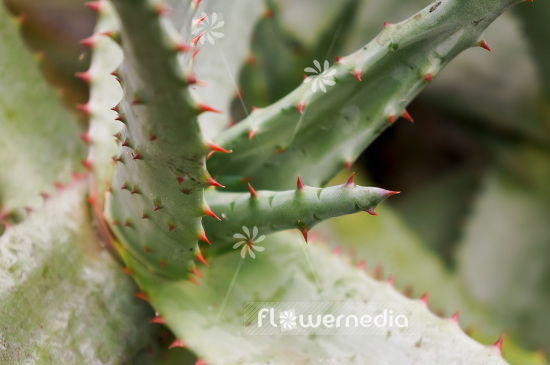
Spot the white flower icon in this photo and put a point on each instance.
(287, 319)
(247, 241)
(320, 76)
(211, 26)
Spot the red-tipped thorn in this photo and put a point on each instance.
(213, 182)
(84, 108)
(196, 272)
(391, 280)
(357, 74)
(304, 233)
(182, 47)
(170, 227)
(85, 137)
(209, 212)
(157, 207)
(136, 156)
(454, 317)
(144, 216)
(200, 362)
(157, 319)
(391, 119)
(428, 77)
(386, 24)
(407, 116)
(124, 186)
(152, 137)
(84, 76)
(87, 164)
(177, 343)
(197, 21)
(337, 251)
(196, 39)
(127, 271)
(203, 238)
(361, 265)
(146, 249)
(498, 344)
(350, 181)
(483, 44)
(162, 264)
(141, 295)
(215, 147)
(195, 53)
(94, 5)
(348, 164)
(194, 281)
(299, 184)
(424, 298)
(338, 59)
(253, 193)
(201, 258)
(89, 42)
(371, 211)
(126, 223)
(134, 190)
(180, 180)
(300, 107)
(196, 3)
(252, 133)
(208, 108)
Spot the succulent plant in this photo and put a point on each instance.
(181, 195)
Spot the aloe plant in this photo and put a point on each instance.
(195, 209)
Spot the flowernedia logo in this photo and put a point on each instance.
(347, 318)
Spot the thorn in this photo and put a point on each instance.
(252, 133)
(157, 319)
(391, 193)
(304, 233)
(182, 47)
(300, 107)
(195, 53)
(180, 180)
(146, 249)
(498, 344)
(127, 270)
(391, 280)
(87, 164)
(454, 317)
(428, 77)
(85, 137)
(177, 343)
(201, 258)
(338, 60)
(203, 238)
(200, 362)
(124, 186)
(391, 119)
(137, 101)
(115, 222)
(157, 207)
(357, 74)
(126, 223)
(483, 44)
(89, 42)
(84, 108)
(213, 182)
(253, 193)
(134, 190)
(348, 164)
(162, 264)
(144, 216)
(141, 295)
(94, 5)
(196, 3)
(371, 211)
(194, 281)
(299, 185)
(197, 21)
(386, 24)
(152, 137)
(361, 265)
(337, 251)
(92, 200)
(120, 118)
(115, 108)
(195, 40)
(125, 143)
(170, 227)
(424, 298)
(84, 76)
(350, 181)
(136, 156)
(215, 147)
(196, 272)
(407, 116)
(209, 212)
(207, 108)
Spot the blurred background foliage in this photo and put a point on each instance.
(472, 225)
